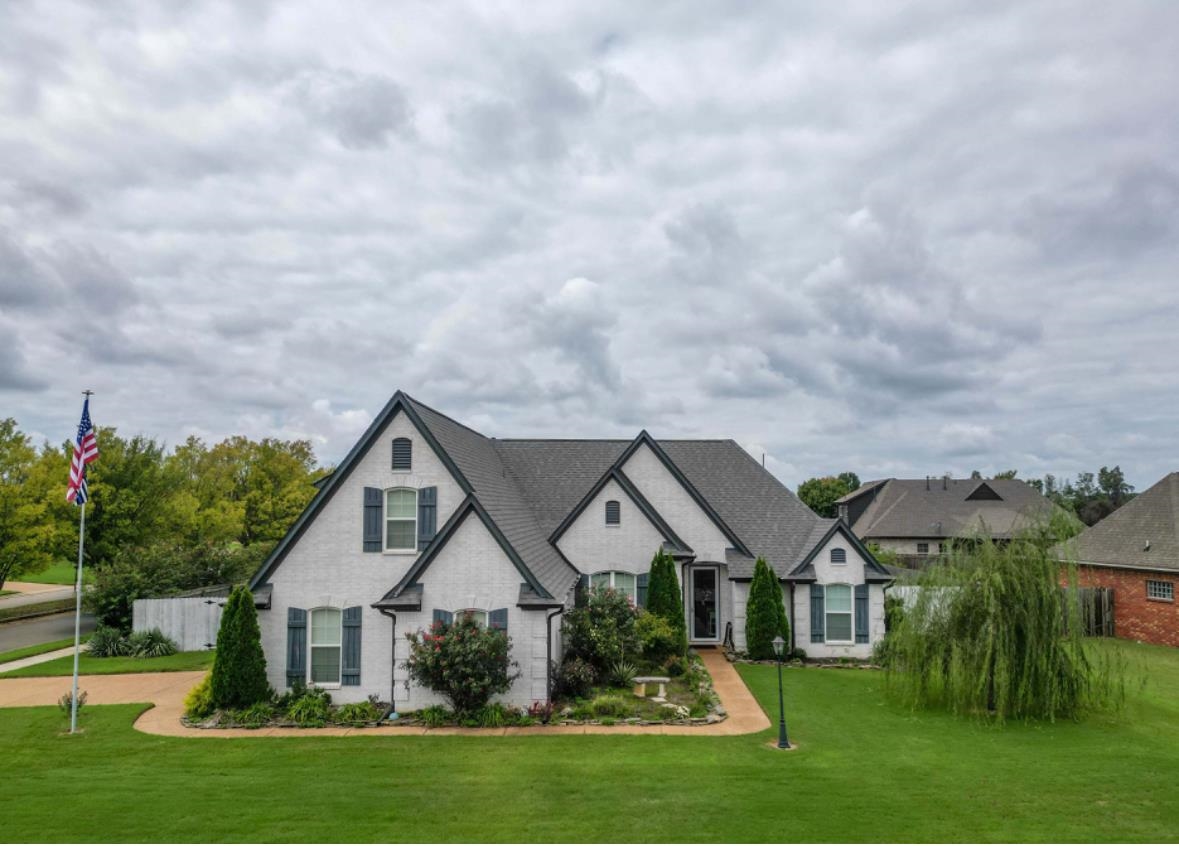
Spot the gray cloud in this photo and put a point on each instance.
(896, 240)
(361, 111)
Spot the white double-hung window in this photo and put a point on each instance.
(326, 639)
(839, 613)
(401, 520)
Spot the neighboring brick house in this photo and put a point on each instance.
(426, 518)
(1135, 553)
(918, 518)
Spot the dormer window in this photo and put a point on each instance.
(838, 555)
(402, 454)
(613, 513)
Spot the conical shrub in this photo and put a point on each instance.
(239, 667)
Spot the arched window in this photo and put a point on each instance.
(624, 582)
(613, 512)
(327, 637)
(402, 453)
(839, 555)
(838, 611)
(476, 614)
(401, 520)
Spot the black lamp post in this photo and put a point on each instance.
(783, 741)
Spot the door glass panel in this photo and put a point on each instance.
(704, 604)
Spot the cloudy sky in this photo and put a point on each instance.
(895, 239)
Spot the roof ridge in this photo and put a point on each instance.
(444, 416)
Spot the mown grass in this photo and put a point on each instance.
(59, 573)
(38, 649)
(864, 770)
(89, 665)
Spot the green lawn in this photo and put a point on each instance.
(27, 651)
(864, 770)
(59, 573)
(89, 665)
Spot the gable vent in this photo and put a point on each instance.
(613, 513)
(402, 453)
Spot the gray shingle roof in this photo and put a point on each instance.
(761, 511)
(770, 520)
(501, 496)
(1121, 538)
(915, 508)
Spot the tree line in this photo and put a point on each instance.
(162, 519)
(1090, 497)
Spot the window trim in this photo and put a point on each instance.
(385, 518)
(1170, 586)
(842, 560)
(632, 598)
(850, 614)
(312, 646)
(617, 513)
(921, 551)
(393, 449)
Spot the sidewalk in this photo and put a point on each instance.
(33, 660)
(167, 691)
(30, 593)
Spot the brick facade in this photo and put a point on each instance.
(1135, 616)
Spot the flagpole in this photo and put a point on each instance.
(77, 622)
(78, 581)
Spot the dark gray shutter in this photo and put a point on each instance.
(296, 646)
(402, 453)
(498, 619)
(427, 516)
(581, 594)
(861, 613)
(641, 589)
(374, 512)
(441, 616)
(613, 513)
(350, 669)
(818, 634)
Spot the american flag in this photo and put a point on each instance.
(85, 451)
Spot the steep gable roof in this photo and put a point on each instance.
(770, 520)
(329, 484)
(475, 465)
(1142, 533)
(873, 570)
(525, 491)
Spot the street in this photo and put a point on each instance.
(41, 630)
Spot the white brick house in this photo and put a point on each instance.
(425, 518)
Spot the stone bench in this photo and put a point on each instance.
(641, 683)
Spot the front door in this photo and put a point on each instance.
(704, 596)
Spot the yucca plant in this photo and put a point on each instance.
(107, 642)
(995, 631)
(150, 644)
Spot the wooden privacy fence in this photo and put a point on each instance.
(191, 621)
(1097, 611)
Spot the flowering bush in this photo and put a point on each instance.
(462, 661)
(602, 633)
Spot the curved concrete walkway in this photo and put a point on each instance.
(167, 692)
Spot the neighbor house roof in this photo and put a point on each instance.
(944, 508)
(1143, 533)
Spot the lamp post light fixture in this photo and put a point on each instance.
(783, 741)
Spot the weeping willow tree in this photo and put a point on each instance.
(996, 631)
